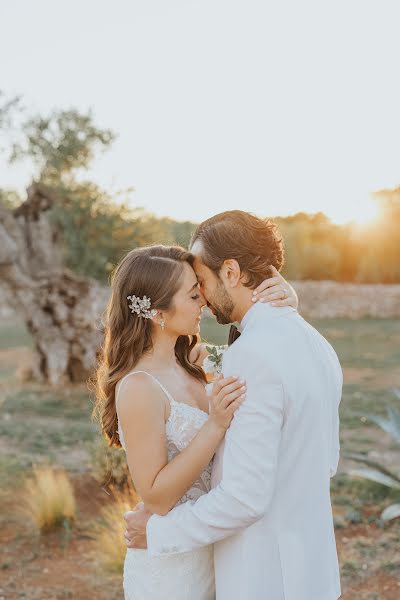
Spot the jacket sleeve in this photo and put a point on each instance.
(248, 470)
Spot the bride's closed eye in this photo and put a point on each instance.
(196, 288)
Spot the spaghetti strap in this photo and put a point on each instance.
(166, 392)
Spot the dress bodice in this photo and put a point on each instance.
(181, 427)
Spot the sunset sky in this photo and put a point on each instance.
(272, 107)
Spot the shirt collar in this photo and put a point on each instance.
(247, 317)
(265, 309)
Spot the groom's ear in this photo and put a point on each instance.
(230, 272)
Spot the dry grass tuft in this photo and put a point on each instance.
(109, 545)
(48, 499)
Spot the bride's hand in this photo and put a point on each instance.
(225, 398)
(276, 290)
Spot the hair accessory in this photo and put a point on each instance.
(141, 306)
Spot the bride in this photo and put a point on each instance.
(152, 401)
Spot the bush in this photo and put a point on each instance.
(109, 465)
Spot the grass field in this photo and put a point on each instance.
(38, 424)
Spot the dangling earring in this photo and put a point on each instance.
(162, 325)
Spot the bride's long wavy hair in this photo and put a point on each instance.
(154, 272)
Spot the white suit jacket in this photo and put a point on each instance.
(269, 511)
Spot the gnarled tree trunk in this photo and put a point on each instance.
(61, 309)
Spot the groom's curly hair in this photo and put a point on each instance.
(255, 243)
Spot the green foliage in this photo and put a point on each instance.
(109, 465)
(354, 516)
(6, 108)
(9, 109)
(60, 143)
(179, 231)
(215, 356)
(97, 230)
(377, 472)
(10, 198)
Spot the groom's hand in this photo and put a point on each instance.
(136, 522)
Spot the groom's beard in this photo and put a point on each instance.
(221, 305)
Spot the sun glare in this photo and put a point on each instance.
(363, 213)
(368, 213)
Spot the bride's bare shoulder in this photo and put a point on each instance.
(139, 393)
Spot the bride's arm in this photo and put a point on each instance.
(141, 409)
(276, 290)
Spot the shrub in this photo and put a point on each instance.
(377, 472)
(109, 466)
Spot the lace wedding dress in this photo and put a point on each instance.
(184, 576)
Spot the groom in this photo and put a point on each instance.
(269, 511)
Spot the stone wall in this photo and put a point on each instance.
(329, 299)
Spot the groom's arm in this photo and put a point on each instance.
(249, 468)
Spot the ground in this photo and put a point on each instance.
(38, 424)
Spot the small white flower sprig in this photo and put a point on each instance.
(142, 306)
(212, 364)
